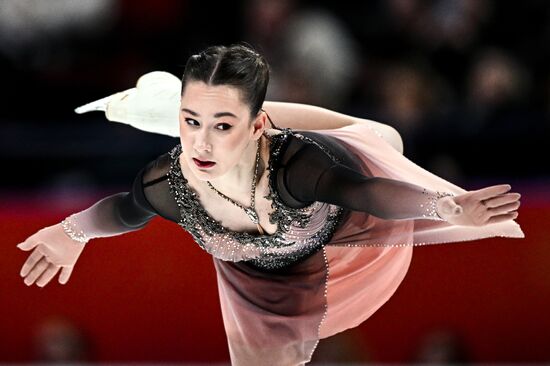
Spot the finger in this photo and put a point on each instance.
(502, 199)
(504, 208)
(48, 274)
(36, 271)
(65, 274)
(502, 218)
(30, 263)
(28, 244)
(492, 191)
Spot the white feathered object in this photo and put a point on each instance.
(152, 106)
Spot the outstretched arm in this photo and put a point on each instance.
(58, 247)
(395, 200)
(311, 175)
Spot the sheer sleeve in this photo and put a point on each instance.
(128, 211)
(320, 170)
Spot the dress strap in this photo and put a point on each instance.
(270, 121)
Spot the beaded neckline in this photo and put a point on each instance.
(282, 215)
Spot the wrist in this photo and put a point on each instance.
(435, 203)
(73, 231)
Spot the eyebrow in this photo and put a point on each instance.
(216, 115)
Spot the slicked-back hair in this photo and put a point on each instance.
(238, 66)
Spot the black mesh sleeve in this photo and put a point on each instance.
(129, 211)
(325, 171)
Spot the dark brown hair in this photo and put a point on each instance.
(239, 66)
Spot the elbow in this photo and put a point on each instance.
(392, 136)
(387, 132)
(395, 139)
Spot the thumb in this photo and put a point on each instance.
(27, 244)
(65, 274)
(456, 209)
(450, 207)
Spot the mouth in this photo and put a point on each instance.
(203, 163)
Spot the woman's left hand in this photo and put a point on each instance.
(481, 207)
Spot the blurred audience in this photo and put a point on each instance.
(468, 93)
(312, 53)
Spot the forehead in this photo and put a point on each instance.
(200, 95)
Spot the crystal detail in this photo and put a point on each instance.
(297, 235)
(431, 204)
(72, 230)
(252, 214)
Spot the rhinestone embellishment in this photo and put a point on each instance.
(297, 235)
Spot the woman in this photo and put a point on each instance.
(310, 232)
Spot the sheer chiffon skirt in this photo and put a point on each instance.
(279, 318)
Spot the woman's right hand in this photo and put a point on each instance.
(53, 250)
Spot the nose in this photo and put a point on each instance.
(201, 143)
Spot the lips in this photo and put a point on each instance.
(204, 163)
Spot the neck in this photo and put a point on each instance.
(239, 179)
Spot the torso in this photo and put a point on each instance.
(229, 215)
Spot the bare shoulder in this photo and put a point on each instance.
(272, 131)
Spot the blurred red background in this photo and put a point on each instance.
(151, 295)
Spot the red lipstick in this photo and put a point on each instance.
(203, 163)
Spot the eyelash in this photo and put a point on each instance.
(187, 120)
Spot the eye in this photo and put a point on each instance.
(225, 126)
(191, 122)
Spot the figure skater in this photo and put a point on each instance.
(310, 228)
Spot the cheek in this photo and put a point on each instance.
(231, 149)
(186, 144)
(182, 133)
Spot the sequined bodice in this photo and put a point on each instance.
(300, 231)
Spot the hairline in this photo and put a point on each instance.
(236, 87)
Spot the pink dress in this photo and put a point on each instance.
(278, 318)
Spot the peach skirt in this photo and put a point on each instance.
(278, 318)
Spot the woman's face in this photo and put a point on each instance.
(215, 128)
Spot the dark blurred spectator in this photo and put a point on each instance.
(409, 99)
(451, 31)
(32, 31)
(496, 122)
(496, 81)
(341, 349)
(312, 53)
(58, 340)
(442, 347)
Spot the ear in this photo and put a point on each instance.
(259, 124)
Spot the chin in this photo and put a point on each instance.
(204, 175)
